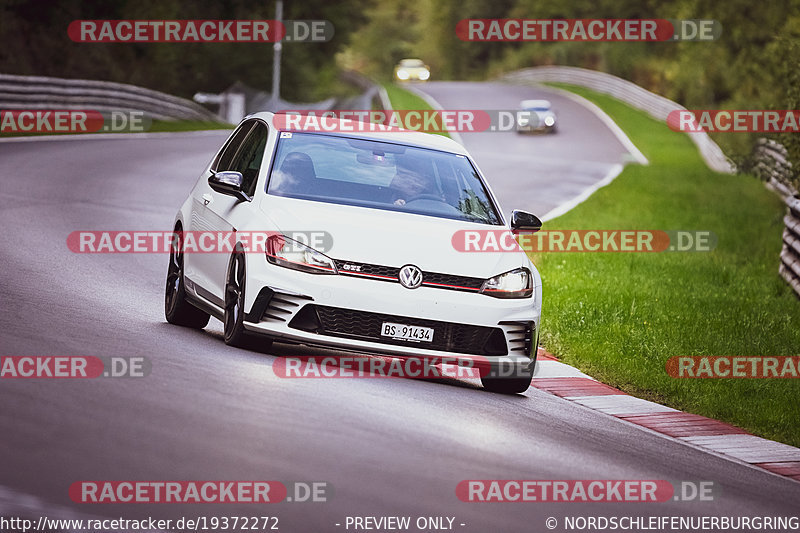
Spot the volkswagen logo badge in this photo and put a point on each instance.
(410, 277)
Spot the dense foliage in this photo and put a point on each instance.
(754, 65)
(35, 41)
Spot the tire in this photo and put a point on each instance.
(507, 384)
(233, 320)
(177, 309)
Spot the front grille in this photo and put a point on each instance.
(363, 325)
(449, 281)
(366, 269)
(429, 279)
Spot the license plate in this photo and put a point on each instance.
(406, 332)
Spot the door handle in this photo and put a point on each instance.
(207, 199)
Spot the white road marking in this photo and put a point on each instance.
(748, 448)
(563, 208)
(635, 153)
(621, 404)
(556, 369)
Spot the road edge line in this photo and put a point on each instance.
(567, 206)
(755, 464)
(597, 111)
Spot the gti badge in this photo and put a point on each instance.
(410, 277)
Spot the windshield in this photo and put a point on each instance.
(379, 175)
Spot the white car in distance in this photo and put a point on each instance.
(392, 281)
(536, 116)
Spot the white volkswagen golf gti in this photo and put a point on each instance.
(389, 280)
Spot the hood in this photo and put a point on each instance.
(390, 238)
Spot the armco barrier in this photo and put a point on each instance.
(790, 254)
(240, 100)
(656, 106)
(773, 166)
(39, 92)
(373, 96)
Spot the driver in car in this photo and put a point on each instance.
(412, 181)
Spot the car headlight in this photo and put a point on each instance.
(549, 121)
(288, 253)
(402, 74)
(424, 74)
(517, 283)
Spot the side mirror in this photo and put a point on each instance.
(524, 221)
(230, 183)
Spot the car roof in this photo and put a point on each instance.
(412, 62)
(397, 136)
(528, 104)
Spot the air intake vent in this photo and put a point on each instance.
(521, 337)
(275, 305)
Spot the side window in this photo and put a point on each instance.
(223, 162)
(248, 159)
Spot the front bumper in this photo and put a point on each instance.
(412, 76)
(532, 128)
(345, 313)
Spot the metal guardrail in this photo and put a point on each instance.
(655, 105)
(772, 165)
(373, 97)
(240, 100)
(40, 92)
(790, 254)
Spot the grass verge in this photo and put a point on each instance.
(401, 98)
(620, 316)
(188, 125)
